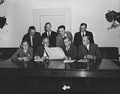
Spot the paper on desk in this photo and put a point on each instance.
(55, 52)
(68, 61)
(83, 60)
(38, 60)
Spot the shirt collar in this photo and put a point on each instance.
(64, 35)
(83, 33)
(25, 50)
(49, 33)
(67, 48)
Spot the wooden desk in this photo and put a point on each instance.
(58, 64)
(100, 78)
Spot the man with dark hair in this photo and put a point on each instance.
(69, 49)
(50, 34)
(61, 35)
(33, 38)
(78, 36)
(88, 50)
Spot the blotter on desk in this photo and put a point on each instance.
(68, 61)
(83, 60)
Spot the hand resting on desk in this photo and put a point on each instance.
(23, 58)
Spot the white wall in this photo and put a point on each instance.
(19, 15)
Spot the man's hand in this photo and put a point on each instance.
(20, 58)
(66, 58)
(25, 59)
(92, 57)
(37, 57)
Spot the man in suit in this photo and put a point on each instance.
(40, 52)
(25, 52)
(89, 50)
(33, 38)
(50, 34)
(69, 49)
(61, 35)
(78, 36)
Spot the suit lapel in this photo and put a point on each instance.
(85, 50)
(80, 36)
(70, 48)
(86, 33)
(50, 35)
(89, 48)
(45, 34)
(29, 39)
(42, 51)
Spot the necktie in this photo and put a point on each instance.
(48, 34)
(67, 48)
(83, 33)
(45, 53)
(32, 40)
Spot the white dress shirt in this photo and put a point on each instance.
(67, 48)
(49, 34)
(83, 34)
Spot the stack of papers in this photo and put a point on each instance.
(68, 61)
(55, 52)
(38, 60)
(83, 60)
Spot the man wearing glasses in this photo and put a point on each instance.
(41, 53)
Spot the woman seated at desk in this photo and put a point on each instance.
(25, 52)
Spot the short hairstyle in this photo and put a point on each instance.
(45, 38)
(23, 42)
(66, 38)
(46, 25)
(31, 27)
(84, 24)
(61, 26)
(87, 37)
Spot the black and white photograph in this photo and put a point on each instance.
(59, 46)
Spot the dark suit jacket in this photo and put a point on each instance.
(36, 42)
(59, 41)
(93, 50)
(21, 53)
(40, 51)
(78, 38)
(52, 38)
(72, 52)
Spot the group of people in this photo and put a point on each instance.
(82, 47)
